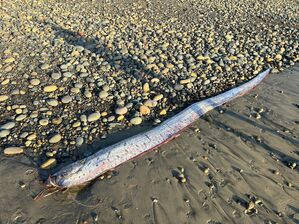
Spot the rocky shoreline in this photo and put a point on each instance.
(75, 71)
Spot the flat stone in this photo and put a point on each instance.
(103, 94)
(45, 66)
(49, 163)
(21, 117)
(49, 89)
(136, 120)
(79, 141)
(146, 87)
(55, 139)
(3, 98)
(44, 122)
(13, 151)
(35, 82)
(57, 120)
(56, 76)
(52, 102)
(4, 133)
(178, 87)
(94, 116)
(144, 110)
(158, 97)
(8, 125)
(66, 99)
(121, 110)
(9, 60)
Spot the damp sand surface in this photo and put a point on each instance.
(238, 162)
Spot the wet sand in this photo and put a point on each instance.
(249, 159)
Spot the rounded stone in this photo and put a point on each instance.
(13, 151)
(35, 82)
(49, 163)
(3, 98)
(56, 76)
(66, 99)
(79, 141)
(121, 110)
(43, 122)
(94, 116)
(136, 120)
(4, 133)
(144, 110)
(52, 102)
(103, 94)
(55, 139)
(8, 125)
(49, 89)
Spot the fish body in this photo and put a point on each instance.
(85, 170)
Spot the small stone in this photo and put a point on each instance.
(56, 76)
(150, 103)
(206, 82)
(52, 102)
(94, 116)
(163, 112)
(79, 141)
(136, 120)
(9, 60)
(31, 137)
(49, 89)
(13, 151)
(278, 57)
(76, 124)
(185, 81)
(45, 66)
(35, 82)
(3, 98)
(103, 94)
(43, 122)
(49, 163)
(178, 87)
(66, 99)
(4, 133)
(57, 120)
(7, 126)
(146, 87)
(21, 117)
(158, 97)
(144, 110)
(121, 110)
(55, 139)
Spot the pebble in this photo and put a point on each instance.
(44, 122)
(55, 139)
(49, 89)
(8, 125)
(50, 163)
(52, 102)
(94, 116)
(21, 117)
(144, 110)
(146, 87)
(158, 97)
(103, 94)
(66, 99)
(136, 120)
(35, 82)
(79, 141)
(9, 60)
(57, 120)
(3, 98)
(13, 151)
(4, 133)
(178, 87)
(121, 110)
(56, 76)
(45, 66)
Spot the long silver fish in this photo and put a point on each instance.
(85, 170)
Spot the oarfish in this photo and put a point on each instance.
(85, 170)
